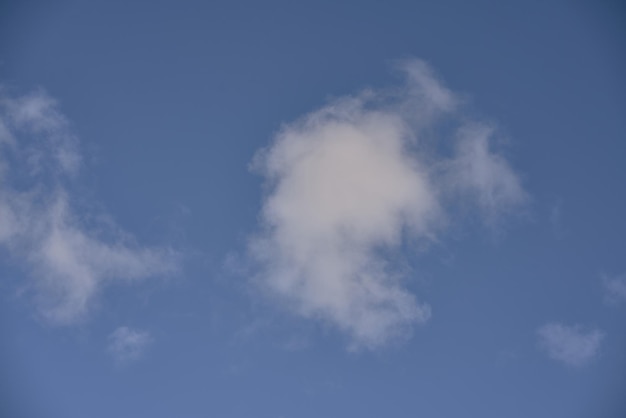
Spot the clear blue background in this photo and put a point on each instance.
(171, 101)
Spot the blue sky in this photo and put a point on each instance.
(289, 209)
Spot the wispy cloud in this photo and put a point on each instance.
(351, 182)
(615, 289)
(69, 255)
(570, 345)
(482, 175)
(127, 344)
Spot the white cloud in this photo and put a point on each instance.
(350, 183)
(127, 344)
(615, 289)
(68, 256)
(570, 345)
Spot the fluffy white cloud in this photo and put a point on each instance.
(127, 344)
(68, 258)
(569, 344)
(350, 183)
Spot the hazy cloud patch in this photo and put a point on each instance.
(67, 254)
(127, 344)
(570, 345)
(615, 289)
(351, 183)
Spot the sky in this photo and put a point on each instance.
(305, 209)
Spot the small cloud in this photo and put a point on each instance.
(570, 345)
(127, 345)
(615, 289)
(350, 184)
(69, 255)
